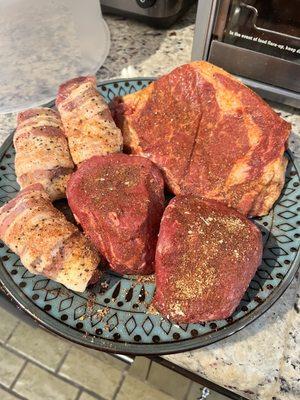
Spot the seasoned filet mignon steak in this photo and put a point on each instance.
(211, 135)
(118, 200)
(205, 259)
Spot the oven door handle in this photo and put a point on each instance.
(255, 11)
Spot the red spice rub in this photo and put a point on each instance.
(118, 200)
(205, 259)
(211, 135)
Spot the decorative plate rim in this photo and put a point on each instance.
(21, 300)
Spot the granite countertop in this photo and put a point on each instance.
(262, 360)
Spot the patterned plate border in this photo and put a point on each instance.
(216, 331)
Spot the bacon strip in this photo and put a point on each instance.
(45, 241)
(87, 121)
(42, 153)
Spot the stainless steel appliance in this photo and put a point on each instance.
(257, 40)
(161, 13)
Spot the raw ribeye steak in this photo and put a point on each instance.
(210, 134)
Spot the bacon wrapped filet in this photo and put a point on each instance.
(42, 153)
(87, 120)
(45, 241)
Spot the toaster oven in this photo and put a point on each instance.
(256, 40)
(160, 13)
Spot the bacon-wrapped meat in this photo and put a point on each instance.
(87, 120)
(42, 153)
(45, 241)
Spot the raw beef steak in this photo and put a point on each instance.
(211, 135)
(119, 200)
(205, 259)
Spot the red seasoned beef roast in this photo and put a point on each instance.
(205, 259)
(119, 201)
(210, 134)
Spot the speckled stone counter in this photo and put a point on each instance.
(261, 361)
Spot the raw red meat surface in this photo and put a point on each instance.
(119, 200)
(205, 259)
(210, 134)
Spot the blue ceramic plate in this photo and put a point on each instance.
(113, 316)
